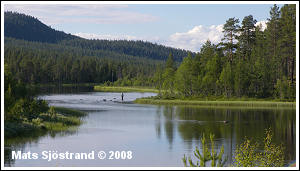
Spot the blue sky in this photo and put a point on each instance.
(185, 26)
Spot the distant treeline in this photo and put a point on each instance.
(36, 62)
(36, 53)
(129, 47)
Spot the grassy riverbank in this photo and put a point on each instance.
(206, 101)
(219, 103)
(124, 89)
(55, 120)
(65, 85)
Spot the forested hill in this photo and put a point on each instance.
(25, 27)
(21, 26)
(130, 47)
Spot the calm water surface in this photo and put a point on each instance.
(156, 135)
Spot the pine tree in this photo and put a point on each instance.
(184, 77)
(247, 36)
(261, 82)
(230, 30)
(287, 42)
(226, 80)
(169, 75)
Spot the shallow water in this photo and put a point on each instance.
(156, 135)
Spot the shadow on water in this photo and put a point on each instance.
(178, 129)
(19, 143)
(60, 89)
(191, 122)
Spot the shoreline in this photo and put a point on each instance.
(213, 102)
(216, 103)
(65, 119)
(124, 89)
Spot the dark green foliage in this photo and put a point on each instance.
(128, 47)
(12, 129)
(69, 112)
(19, 100)
(247, 155)
(26, 27)
(216, 158)
(230, 30)
(249, 62)
(247, 36)
(169, 76)
(287, 41)
(24, 115)
(185, 77)
(34, 62)
(158, 79)
(35, 53)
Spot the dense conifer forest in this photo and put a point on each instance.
(248, 62)
(36, 53)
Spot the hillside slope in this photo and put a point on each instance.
(21, 26)
(25, 27)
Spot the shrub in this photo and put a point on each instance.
(246, 154)
(206, 155)
(37, 121)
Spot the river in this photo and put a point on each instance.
(152, 135)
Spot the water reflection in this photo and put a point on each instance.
(158, 122)
(20, 143)
(192, 122)
(158, 135)
(169, 114)
(60, 89)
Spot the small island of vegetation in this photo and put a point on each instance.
(26, 116)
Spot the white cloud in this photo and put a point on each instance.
(106, 36)
(263, 24)
(153, 39)
(84, 13)
(193, 39)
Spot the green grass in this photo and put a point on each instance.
(124, 89)
(234, 103)
(60, 125)
(63, 120)
(64, 85)
(80, 84)
(69, 112)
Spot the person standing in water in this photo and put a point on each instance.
(122, 95)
